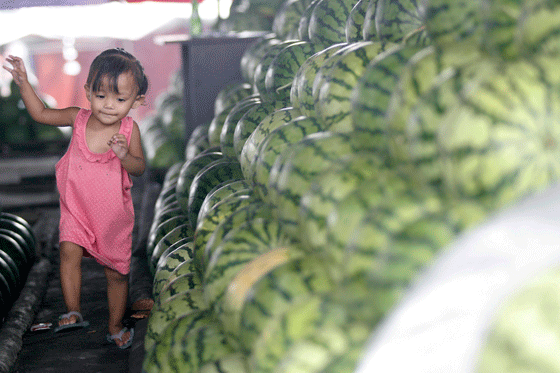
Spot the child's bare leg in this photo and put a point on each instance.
(71, 278)
(117, 295)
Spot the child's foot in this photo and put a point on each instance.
(121, 337)
(71, 321)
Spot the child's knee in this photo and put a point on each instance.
(70, 252)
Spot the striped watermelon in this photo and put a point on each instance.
(164, 228)
(206, 179)
(179, 285)
(221, 192)
(521, 324)
(370, 97)
(250, 120)
(281, 72)
(241, 285)
(330, 187)
(269, 123)
(259, 85)
(208, 222)
(198, 347)
(287, 18)
(273, 145)
(179, 232)
(327, 24)
(303, 162)
(301, 93)
(333, 99)
(217, 123)
(449, 21)
(393, 20)
(303, 25)
(163, 313)
(393, 198)
(156, 358)
(271, 294)
(232, 363)
(188, 172)
(198, 141)
(310, 319)
(253, 210)
(355, 22)
(165, 274)
(228, 128)
(254, 52)
(500, 144)
(172, 259)
(238, 247)
(231, 94)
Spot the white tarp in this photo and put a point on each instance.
(442, 323)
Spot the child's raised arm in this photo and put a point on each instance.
(33, 104)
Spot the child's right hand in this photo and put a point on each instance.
(18, 69)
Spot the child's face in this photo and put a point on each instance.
(110, 107)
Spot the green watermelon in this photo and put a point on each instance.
(179, 232)
(164, 228)
(333, 100)
(172, 261)
(188, 172)
(254, 52)
(287, 18)
(231, 94)
(228, 128)
(272, 293)
(197, 142)
(301, 93)
(242, 284)
(208, 222)
(179, 285)
(174, 266)
(221, 192)
(305, 320)
(497, 141)
(303, 25)
(238, 247)
(232, 363)
(254, 209)
(521, 326)
(156, 357)
(327, 24)
(370, 97)
(199, 346)
(393, 20)
(275, 143)
(206, 179)
(281, 72)
(163, 313)
(250, 120)
(355, 21)
(261, 69)
(273, 120)
(327, 189)
(303, 162)
(168, 275)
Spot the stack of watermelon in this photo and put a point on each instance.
(17, 254)
(365, 137)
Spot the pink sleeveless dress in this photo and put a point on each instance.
(96, 210)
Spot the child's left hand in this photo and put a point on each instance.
(119, 145)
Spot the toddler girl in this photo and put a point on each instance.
(96, 211)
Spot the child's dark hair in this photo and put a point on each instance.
(112, 63)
